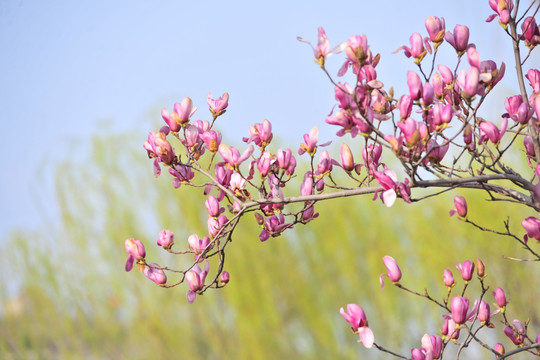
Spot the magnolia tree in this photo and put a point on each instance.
(430, 137)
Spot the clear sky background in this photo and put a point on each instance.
(73, 69)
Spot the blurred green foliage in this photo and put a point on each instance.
(65, 294)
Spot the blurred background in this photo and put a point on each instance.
(82, 84)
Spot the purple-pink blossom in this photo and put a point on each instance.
(502, 8)
(260, 134)
(532, 227)
(217, 106)
(155, 273)
(448, 278)
(531, 32)
(459, 39)
(500, 298)
(459, 306)
(195, 279)
(460, 207)
(165, 239)
(417, 50)
(356, 317)
(394, 272)
(436, 29)
(467, 269)
(232, 156)
(136, 252)
(321, 51)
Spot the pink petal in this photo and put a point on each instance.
(366, 336)
(389, 197)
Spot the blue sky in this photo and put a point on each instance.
(73, 69)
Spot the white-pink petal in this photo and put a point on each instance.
(366, 336)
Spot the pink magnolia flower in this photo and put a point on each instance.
(418, 354)
(217, 106)
(273, 226)
(159, 147)
(387, 179)
(500, 298)
(413, 131)
(182, 175)
(416, 50)
(306, 188)
(166, 239)
(531, 32)
(405, 106)
(195, 279)
(532, 227)
(260, 134)
(232, 156)
(345, 120)
(488, 130)
(237, 183)
(442, 114)
(181, 114)
(436, 29)
(484, 314)
(325, 163)
(323, 45)
(470, 81)
(155, 273)
(467, 269)
(516, 333)
(533, 75)
(518, 110)
(436, 152)
(286, 161)
(391, 187)
(136, 252)
(310, 142)
(448, 278)
(499, 348)
(264, 163)
(394, 272)
(212, 205)
(224, 278)
(428, 94)
(432, 346)
(170, 120)
(347, 160)
(459, 306)
(191, 135)
(459, 39)
(357, 318)
(529, 147)
(212, 140)
(461, 207)
(216, 224)
(473, 57)
(309, 213)
(503, 8)
(450, 330)
(438, 86)
(371, 154)
(198, 246)
(415, 85)
(358, 55)
(490, 75)
(446, 74)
